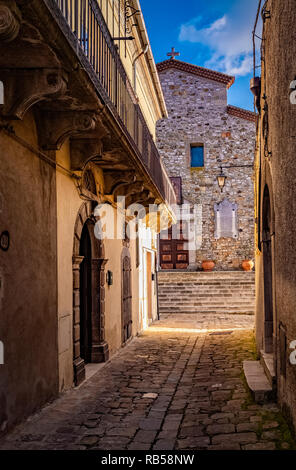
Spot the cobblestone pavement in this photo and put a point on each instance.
(174, 389)
(205, 322)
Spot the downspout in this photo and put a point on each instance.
(135, 67)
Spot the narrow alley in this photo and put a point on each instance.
(177, 386)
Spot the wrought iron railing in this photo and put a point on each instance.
(92, 36)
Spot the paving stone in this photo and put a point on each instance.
(125, 432)
(150, 424)
(270, 425)
(228, 446)
(192, 431)
(222, 416)
(194, 399)
(145, 436)
(164, 444)
(220, 429)
(245, 427)
(221, 395)
(271, 435)
(260, 446)
(89, 440)
(240, 438)
(150, 395)
(193, 443)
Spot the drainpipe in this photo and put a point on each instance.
(144, 51)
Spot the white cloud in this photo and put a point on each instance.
(229, 38)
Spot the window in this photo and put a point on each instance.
(197, 156)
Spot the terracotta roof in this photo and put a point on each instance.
(242, 113)
(196, 70)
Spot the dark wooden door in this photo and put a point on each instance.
(149, 286)
(126, 299)
(173, 248)
(85, 296)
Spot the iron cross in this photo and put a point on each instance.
(173, 53)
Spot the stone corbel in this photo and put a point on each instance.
(114, 179)
(55, 126)
(10, 19)
(83, 150)
(138, 198)
(25, 87)
(127, 189)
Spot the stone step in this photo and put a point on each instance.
(266, 361)
(257, 381)
(225, 309)
(199, 292)
(213, 301)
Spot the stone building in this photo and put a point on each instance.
(276, 202)
(77, 126)
(201, 135)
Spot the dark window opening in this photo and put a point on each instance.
(197, 156)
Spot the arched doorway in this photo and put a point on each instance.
(85, 295)
(126, 296)
(89, 343)
(267, 270)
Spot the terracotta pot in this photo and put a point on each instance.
(208, 265)
(247, 265)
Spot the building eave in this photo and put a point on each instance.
(242, 113)
(150, 59)
(227, 80)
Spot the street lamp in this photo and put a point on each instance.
(221, 180)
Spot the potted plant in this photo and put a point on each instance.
(247, 264)
(208, 265)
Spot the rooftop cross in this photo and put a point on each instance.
(173, 53)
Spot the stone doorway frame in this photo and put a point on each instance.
(99, 346)
(125, 255)
(267, 250)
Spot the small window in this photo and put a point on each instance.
(197, 156)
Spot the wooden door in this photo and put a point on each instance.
(149, 285)
(126, 299)
(173, 252)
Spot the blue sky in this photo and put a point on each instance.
(216, 34)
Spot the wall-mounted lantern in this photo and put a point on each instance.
(109, 278)
(221, 180)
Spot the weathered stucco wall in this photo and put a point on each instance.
(197, 109)
(129, 51)
(68, 205)
(278, 174)
(28, 319)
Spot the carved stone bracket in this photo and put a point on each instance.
(138, 198)
(9, 22)
(82, 150)
(127, 189)
(114, 179)
(25, 87)
(54, 127)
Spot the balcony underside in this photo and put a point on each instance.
(43, 68)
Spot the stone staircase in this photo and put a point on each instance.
(200, 292)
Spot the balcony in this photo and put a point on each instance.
(85, 28)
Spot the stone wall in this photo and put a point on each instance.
(197, 109)
(28, 285)
(276, 158)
